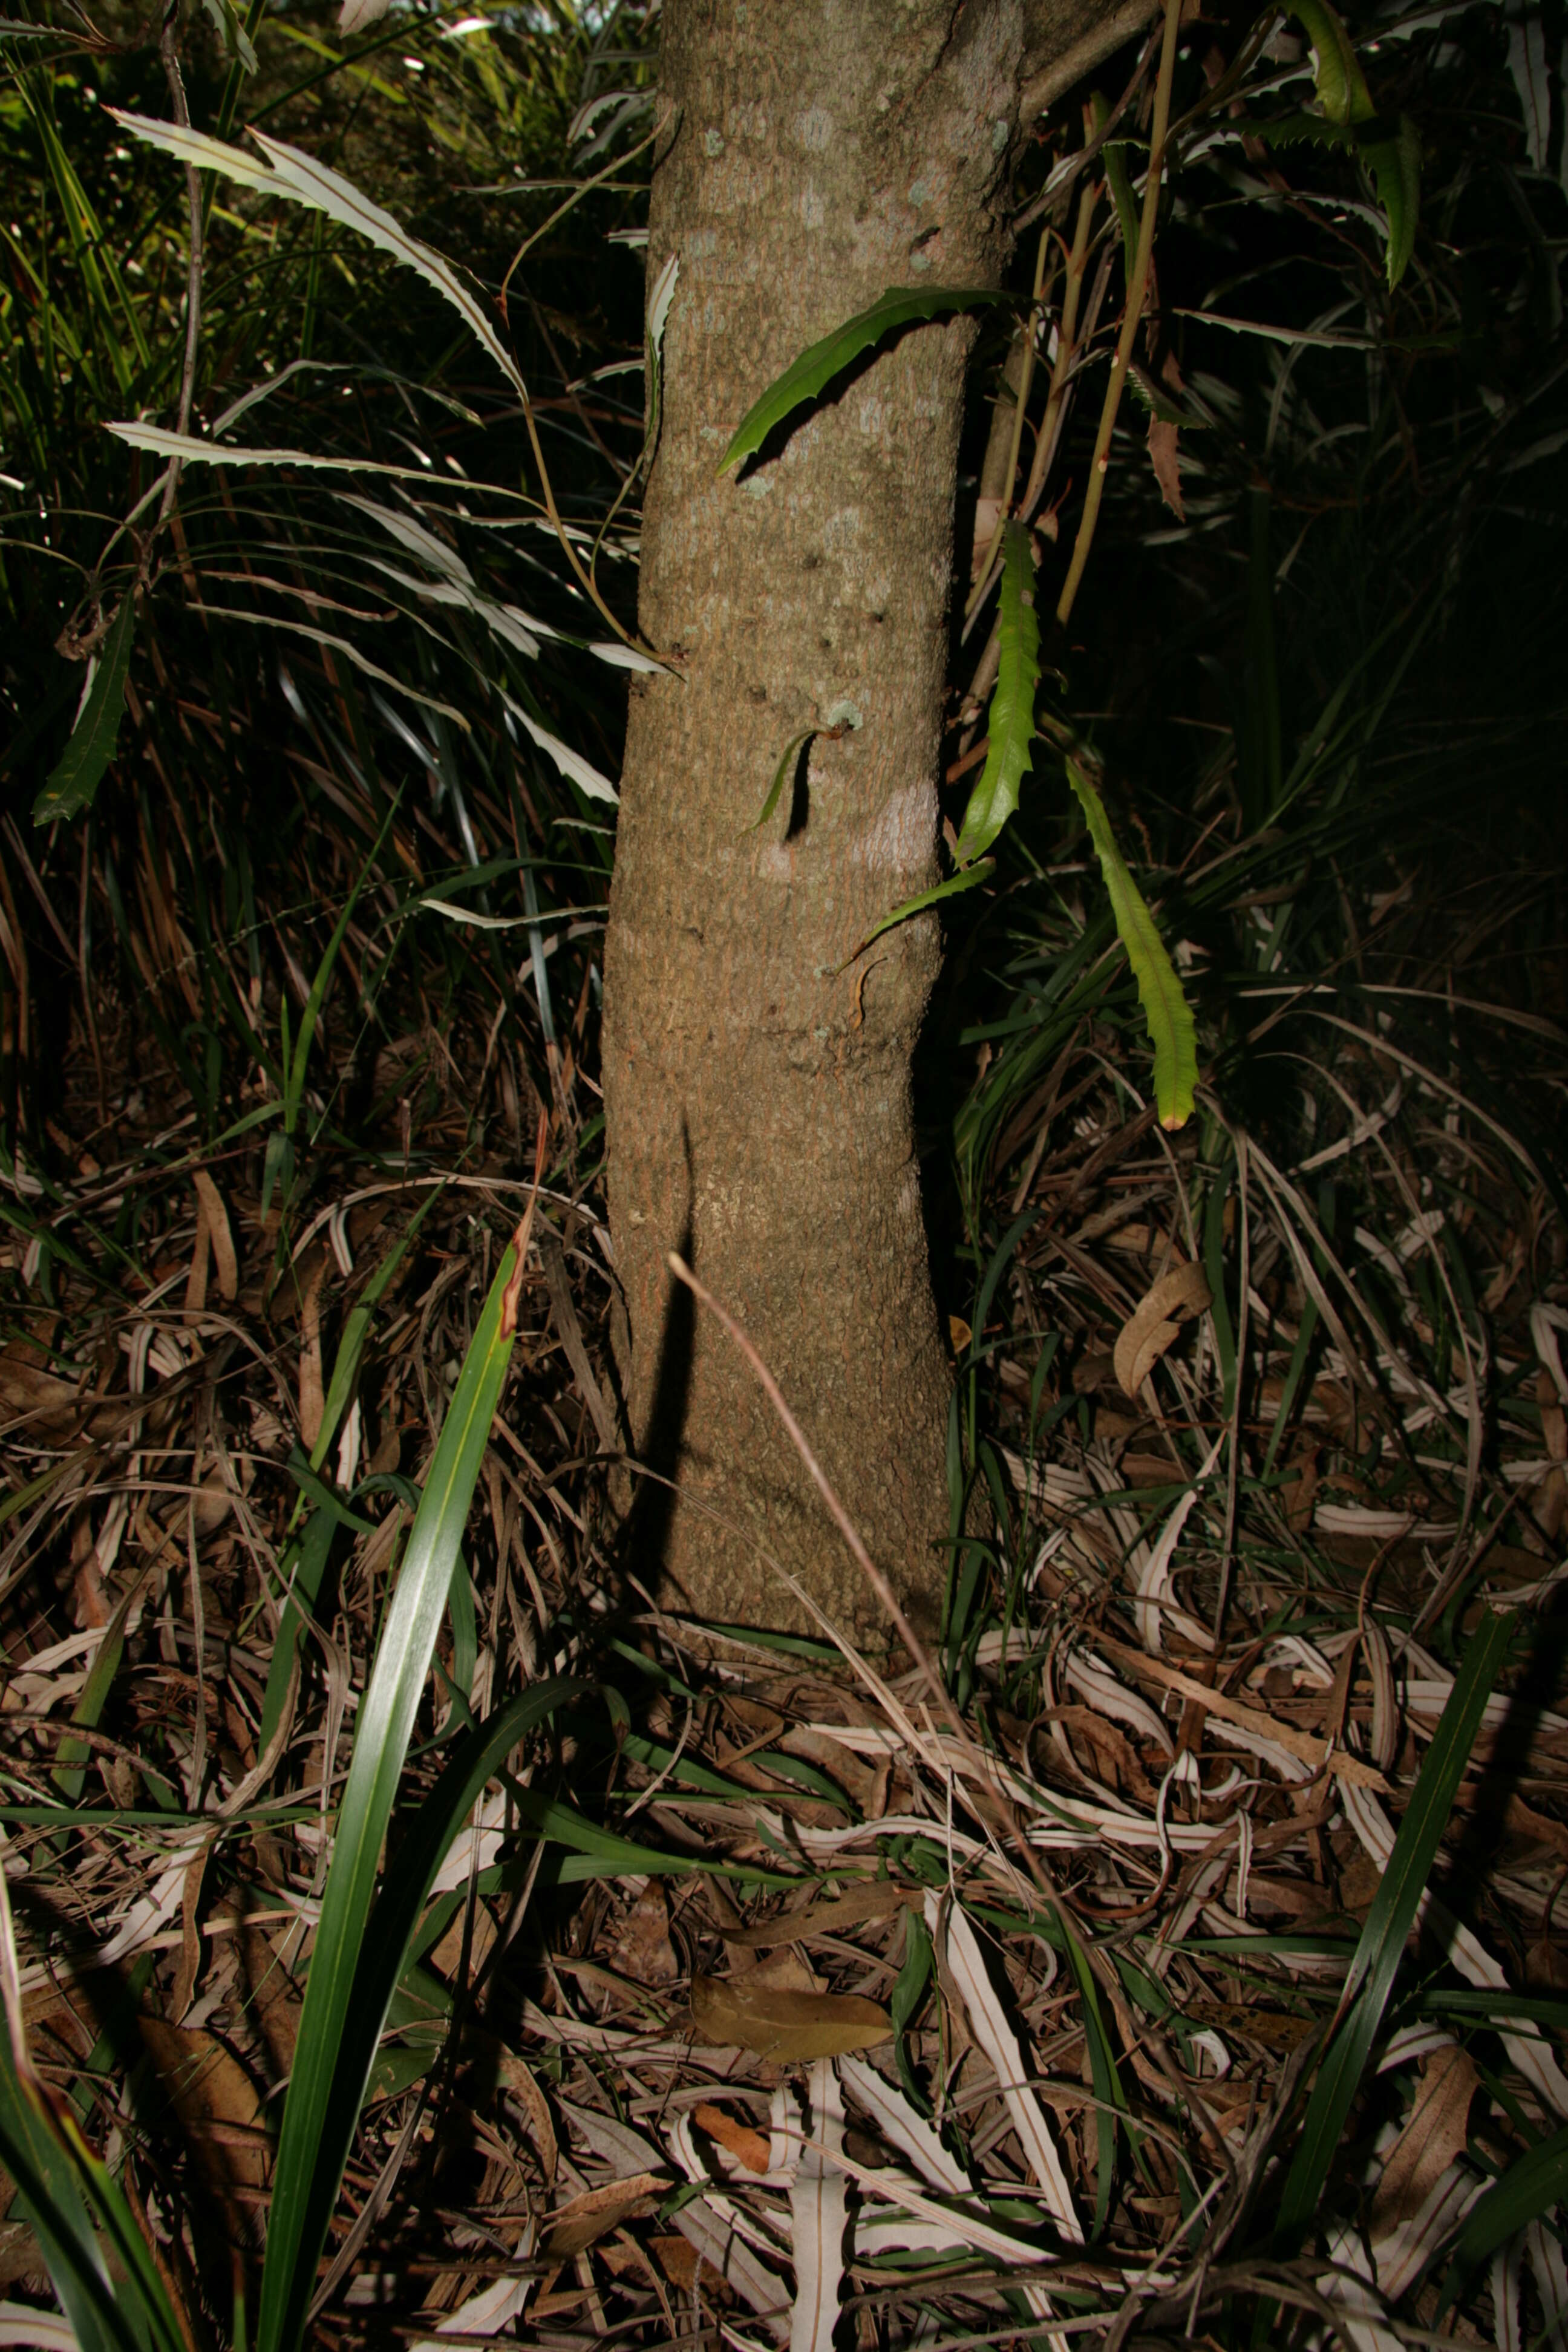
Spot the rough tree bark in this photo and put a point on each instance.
(757, 1091)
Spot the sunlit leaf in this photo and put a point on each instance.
(75, 782)
(815, 369)
(1011, 719)
(1165, 1008)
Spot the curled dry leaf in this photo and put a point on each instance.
(1435, 2131)
(872, 1901)
(1154, 1323)
(739, 2140)
(792, 2028)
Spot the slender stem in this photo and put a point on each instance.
(1067, 344)
(1135, 294)
(169, 50)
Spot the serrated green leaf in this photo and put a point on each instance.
(1113, 155)
(815, 369)
(966, 880)
(1010, 718)
(1395, 167)
(1342, 86)
(75, 782)
(1165, 1008)
(1291, 130)
(1388, 1923)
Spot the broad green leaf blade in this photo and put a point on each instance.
(784, 770)
(1395, 167)
(1342, 92)
(300, 179)
(925, 899)
(1527, 2190)
(75, 782)
(814, 371)
(1388, 1925)
(309, 2169)
(1165, 1010)
(373, 1965)
(1011, 719)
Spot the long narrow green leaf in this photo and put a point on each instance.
(75, 782)
(312, 1013)
(1011, 719)
(377, 1960)
(310, 2164)
(1527, 2190)
(953, 888)
(1165, 1008)
(809, 376)
(1388, 1925)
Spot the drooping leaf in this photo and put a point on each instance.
(808, 376)
(787, 2026)
(1113, 155)
(1388, 1925)
(75, 782)
(1011, 719)
(1342, 86)
(1165, 1010)
(300, 179)
(1395, 166)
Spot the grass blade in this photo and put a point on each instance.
(1527, 2190)
(1012, 715)
(75, 782)
(1165, 1008)
(815, 369)
(309, 2160)
(1388, 1923)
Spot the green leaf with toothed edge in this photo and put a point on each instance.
(808, 376)
(1010, 718)
(966, 880)
(75, 782)
(1165, 1008)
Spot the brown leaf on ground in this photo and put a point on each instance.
(1154, 1323)
(1435, 2131)
(217, 2110)
(642, 1949)
(747, 2146)
(789, 2027)
(597, 2212)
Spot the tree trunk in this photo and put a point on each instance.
(756, 1082)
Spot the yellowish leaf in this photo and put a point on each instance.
(791, 2028)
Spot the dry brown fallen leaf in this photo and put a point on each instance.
(872, 1901)
(1435, 2131)
(597, 2212)
(642, 1950)
(789, 2027)
(747, 2146)
(1151, 1326)
(219, 2110)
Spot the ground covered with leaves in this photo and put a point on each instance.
(980, 1995)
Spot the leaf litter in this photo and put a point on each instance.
(759, 1998)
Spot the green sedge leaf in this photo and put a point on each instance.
(1165, 1008)
(1113, 155)
(966, 880)
(75, 782)
(1388, 1923)
(816, 367)
(313, 2144)
(1342, 86)
(1011, 719)
(1527, 2190)
(377, 1961)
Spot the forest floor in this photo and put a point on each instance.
(1263, 1450)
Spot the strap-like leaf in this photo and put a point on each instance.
(342, 2021)
(1011, 719)
(966, 880)
(1165, 1008)
(1388, 1925)
(1527, 2190)
(815, 369)
(1395, 166)
(76, 780)
(1342, 92)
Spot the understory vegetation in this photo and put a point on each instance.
(415, 1932)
